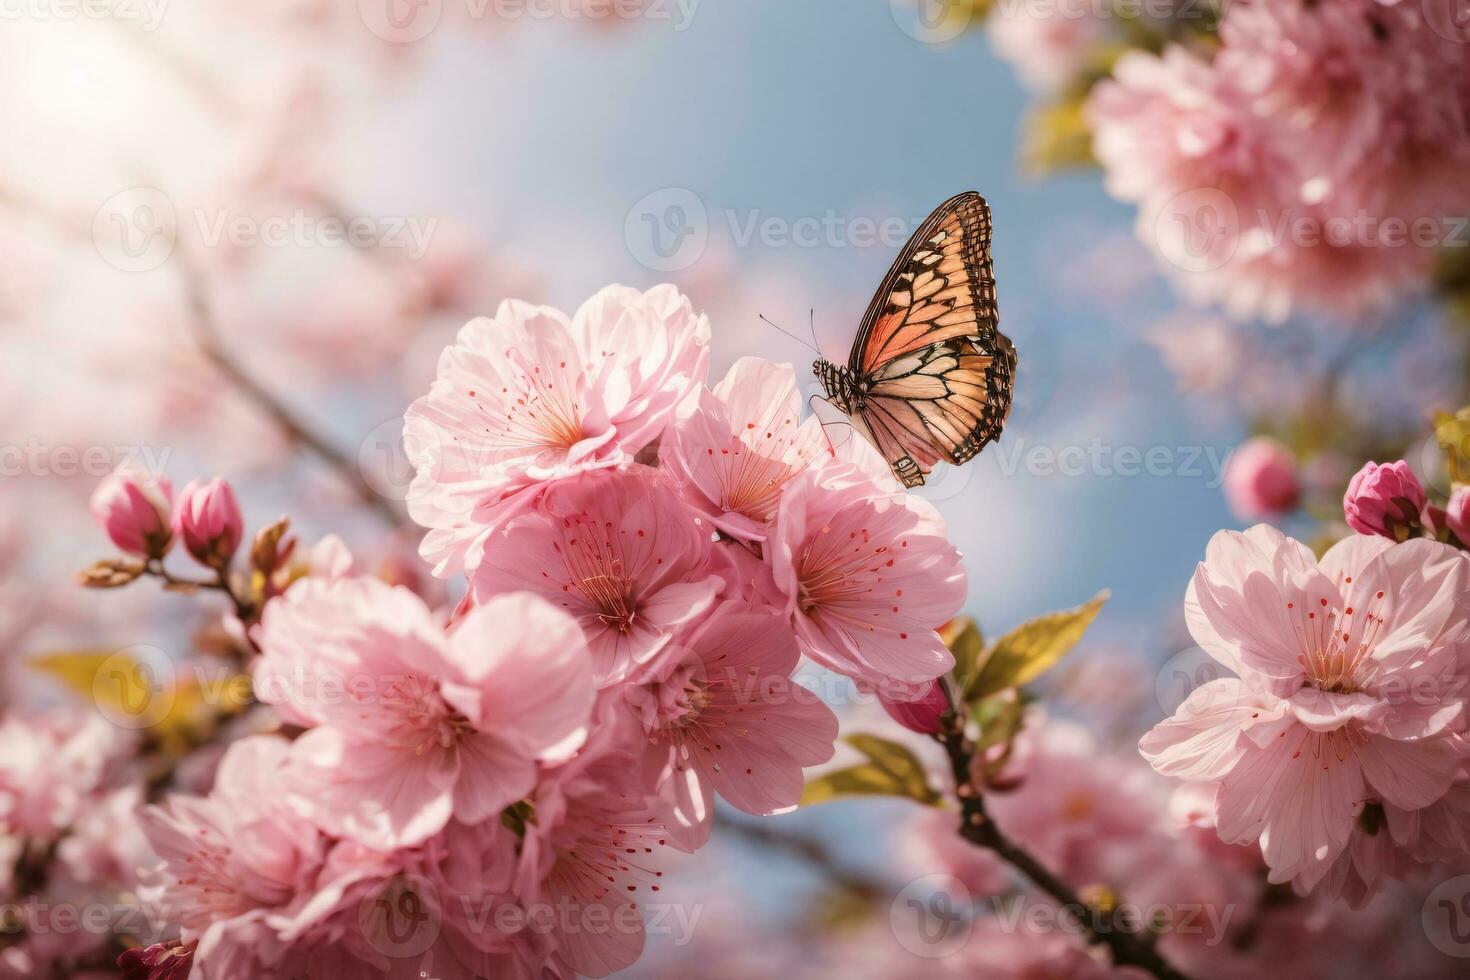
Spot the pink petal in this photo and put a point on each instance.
(492, 775)
(527, 661)
(378, 795)
(1300, 796)
(1202, 741)
(1410, 775)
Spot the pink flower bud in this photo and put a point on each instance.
(1457, 515)
(1385, 500)
(921, 710)
(208, 520)
(1261, 480)
(132, 506)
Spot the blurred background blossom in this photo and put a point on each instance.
(235, 238)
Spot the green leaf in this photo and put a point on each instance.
(963, 638)
(999, 719)
(891, 770)
(1453, 433)
(1029, 650)
(177, 714)
(106, 678)
(1056, 137)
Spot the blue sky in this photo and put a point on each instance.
(825, 110)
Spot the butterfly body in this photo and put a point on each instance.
(930, 374)
(840, 385)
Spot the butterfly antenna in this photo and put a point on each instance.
(831, 446)
(788, 333)
(812, 323)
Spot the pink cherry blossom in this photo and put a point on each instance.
(868, 576)
(408, 726)
(238, 865)
(532, 395)
(133, 507)
(1048, 45)
(1387, 500)
(434, 910)
(596, 848)
(1457, 515)
(1292, 169)
(207, 519)
(720, 713)
(1261, 480)
(620, 552)
(919, 711)
(746, 441)
(1346, 695)
(54, 767)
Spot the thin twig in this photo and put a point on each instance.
(977, 827)
(811, 850)
(202, 323)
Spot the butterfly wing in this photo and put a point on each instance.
(933, 370)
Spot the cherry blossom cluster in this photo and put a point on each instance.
(1340, 743)
(496, 789)
(1314, 157)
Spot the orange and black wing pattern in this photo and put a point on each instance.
(934, 371)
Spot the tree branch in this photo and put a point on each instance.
(206, 337)
(811, 850)
(977, 827)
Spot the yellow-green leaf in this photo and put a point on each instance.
(1056, 137)
(1029, 650)
(130, 693)
(1453, 432)
(963, 639)
(999, 719)
(891, 770)
(106, 678)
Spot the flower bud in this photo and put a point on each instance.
(272, 548)
(1386, 500)
(207, 519)
(1457, 515)
(1261, 480)
(132, 506)
(921, 710)
(110, 573)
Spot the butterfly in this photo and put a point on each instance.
(930, 373)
